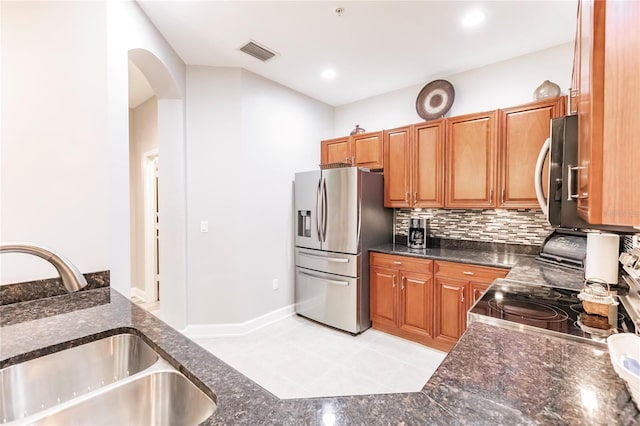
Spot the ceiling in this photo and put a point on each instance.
(373, 46)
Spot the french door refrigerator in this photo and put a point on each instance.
(340, 214)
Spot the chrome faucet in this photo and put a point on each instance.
(72, 279)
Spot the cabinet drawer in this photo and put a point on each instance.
(405, 263)
(468, 272)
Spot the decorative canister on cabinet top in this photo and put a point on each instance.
(357, 130)
(547, 89)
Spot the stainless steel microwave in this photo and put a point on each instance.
(560, 206)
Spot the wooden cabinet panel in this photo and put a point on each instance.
(397, 177)
(335, 151)
(476, 289)
(450, 309)
(416, 302)
(471, 144)
(523, 131)
(404, 263)
(367, 150)
(383, 295)
(463, 271)
(608, 107)
(428, 164)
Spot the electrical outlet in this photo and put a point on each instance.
(274, 284)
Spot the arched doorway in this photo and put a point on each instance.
(171, 250)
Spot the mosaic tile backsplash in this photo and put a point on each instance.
(524, 226)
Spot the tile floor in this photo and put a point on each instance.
(297, 358)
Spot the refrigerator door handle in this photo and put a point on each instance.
(345, 283)
(318, 210)
(324, 210)
(328, 259)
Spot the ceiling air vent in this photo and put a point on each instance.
(254, 49)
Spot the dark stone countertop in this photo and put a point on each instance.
(493, 375)
(523, 267)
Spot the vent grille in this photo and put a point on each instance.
(257, 51)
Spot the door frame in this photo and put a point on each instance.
(149, 163)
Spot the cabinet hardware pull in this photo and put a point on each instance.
(393, 282)
(397, 262)
(415, 197)
(462, 297)
(402, 288)
(502, 198)
(353, 161)
(468, 273)
(406, 197)
(491, 197)
(570, 169)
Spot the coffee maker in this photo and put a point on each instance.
(418, 232)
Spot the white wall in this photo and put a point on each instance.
(54, 126)
(143, 137)
(128, 29)
(498, 85)
(246, 137)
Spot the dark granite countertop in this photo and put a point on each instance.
(523, 267)
(493, 375)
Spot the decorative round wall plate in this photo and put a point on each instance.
(435, 99)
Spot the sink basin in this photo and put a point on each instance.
(43, 382)
(159, 398)
(115, 380)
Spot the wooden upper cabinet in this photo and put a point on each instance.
(414, 165)
(367, 150)
(471, 146)
(397, 173)
(335, 151)
(608, 107)
(362, 150)
(427, 152)
(523, 131)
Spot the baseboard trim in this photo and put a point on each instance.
(238, 329)
(138, 293)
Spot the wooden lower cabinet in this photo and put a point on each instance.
(450, 310)
(423, 300)
(457, 287)
(402, 296)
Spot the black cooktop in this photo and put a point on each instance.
(550, 309)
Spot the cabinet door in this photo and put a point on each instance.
(471, 160)
(450, 309)
(590, 104)
(383, 283)
(367, 150)
(428, 164)
(523, 131)
(476, 289)
(335, 150)
(397, 177)
(416, 301)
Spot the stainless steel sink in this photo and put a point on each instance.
(115, 380)
(160, 398)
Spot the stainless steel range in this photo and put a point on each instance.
(547, 309)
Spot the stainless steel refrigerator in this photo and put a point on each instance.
(340, 214)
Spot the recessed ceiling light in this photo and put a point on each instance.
(328, 74)
(472, 19)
